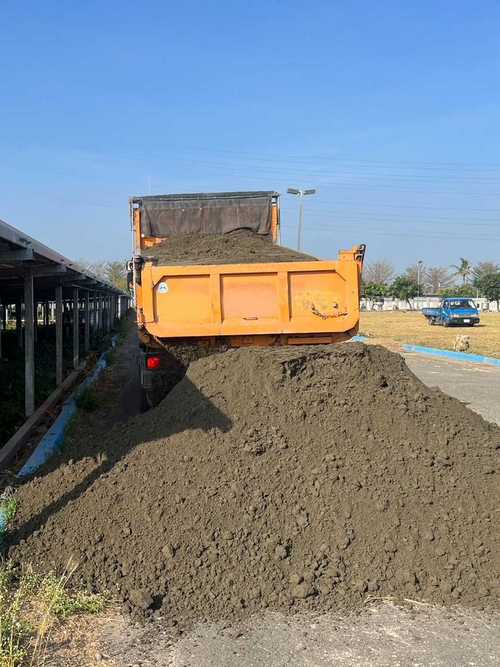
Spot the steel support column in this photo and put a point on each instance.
(76, 329)
(19, 324)
(86, 310)
(59, 335)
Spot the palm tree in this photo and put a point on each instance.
(464, 269)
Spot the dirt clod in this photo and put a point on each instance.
(354, 505)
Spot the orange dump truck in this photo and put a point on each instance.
(235, 303)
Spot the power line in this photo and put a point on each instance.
(392, 218)
(407, 234)
(343, 159)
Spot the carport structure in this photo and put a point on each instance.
(43, 288)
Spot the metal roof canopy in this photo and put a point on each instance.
(20, 255)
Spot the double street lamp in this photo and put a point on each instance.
(300, 194)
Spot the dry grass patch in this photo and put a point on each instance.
(32, 607)
(412, 327)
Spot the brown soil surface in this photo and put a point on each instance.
(240, 247)
(295, 478)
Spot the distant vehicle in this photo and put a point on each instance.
(453, 311)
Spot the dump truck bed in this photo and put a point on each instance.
(286, 299)
(187, 287)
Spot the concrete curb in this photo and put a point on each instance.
(450, 354)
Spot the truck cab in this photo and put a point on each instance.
(453, 311)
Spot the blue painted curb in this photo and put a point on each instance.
(51, 442)
(359, 339)
(450, 354)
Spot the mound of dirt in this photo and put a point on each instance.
(292, 478)
(239, 247)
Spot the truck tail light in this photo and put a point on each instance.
(152, 363)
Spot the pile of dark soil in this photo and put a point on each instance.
(239, 247)
(292, 478)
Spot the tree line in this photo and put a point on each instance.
(462, 279)
(114, 272)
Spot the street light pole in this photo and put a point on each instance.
(301, 221)
(419, 269)
(300, 194)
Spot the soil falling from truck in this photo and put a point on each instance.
(292, 478)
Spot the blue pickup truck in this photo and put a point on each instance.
(453, 311)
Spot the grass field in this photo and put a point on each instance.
(412, 327)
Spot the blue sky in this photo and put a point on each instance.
(390, 109)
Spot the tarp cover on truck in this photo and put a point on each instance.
(206, 213)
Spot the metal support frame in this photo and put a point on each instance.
(86, 310)
(99, 315)
(14, 256)
(19, 324)
(108, 314)
(92, 315)
(59, 335)
(29, 345)
(76, 329)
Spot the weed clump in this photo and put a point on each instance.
(31, 607)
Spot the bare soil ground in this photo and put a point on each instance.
(412, 327)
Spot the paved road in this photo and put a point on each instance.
(477, 385)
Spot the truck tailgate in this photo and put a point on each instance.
(248, 299)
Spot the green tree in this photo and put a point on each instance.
(374, 291)
(489, 286)
(116, 274)
(456, 290)
(404, 288)
(463, 269)
(483, 268)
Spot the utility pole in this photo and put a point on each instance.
(300, 194)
